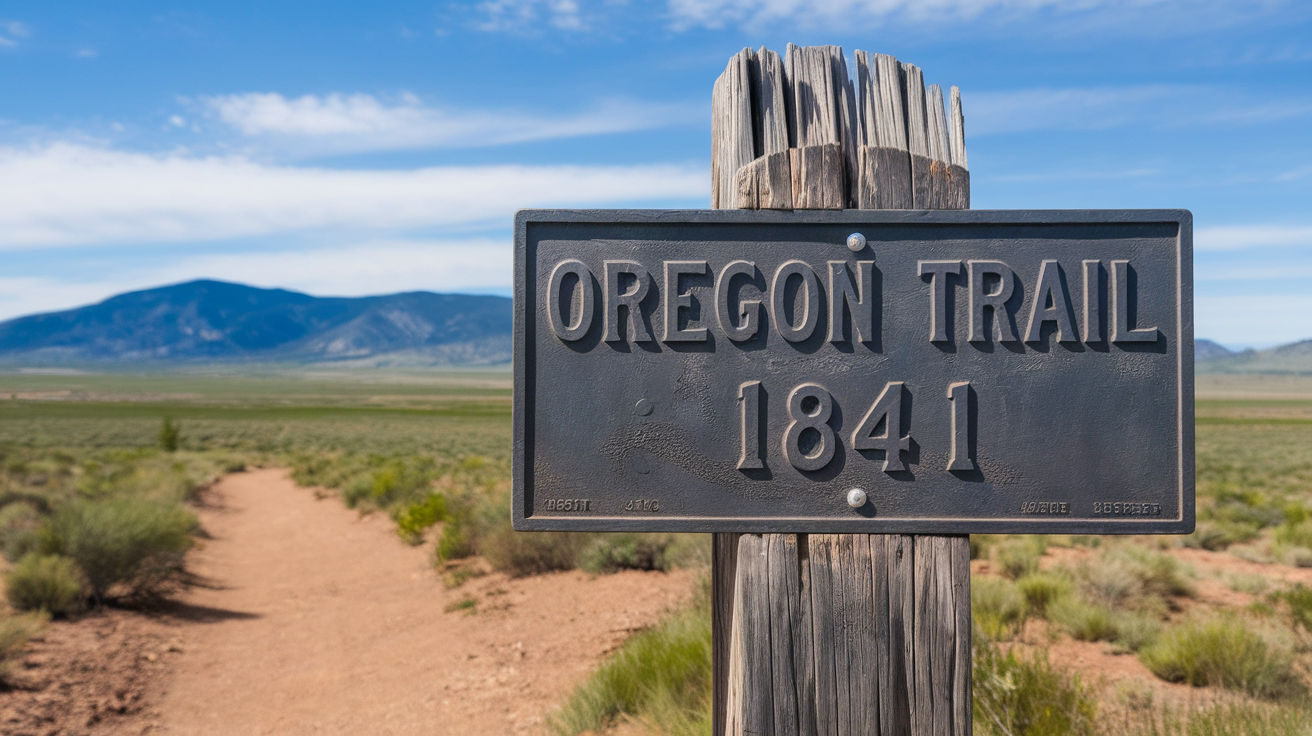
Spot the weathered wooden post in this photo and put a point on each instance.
(841, 372)
(851, 633)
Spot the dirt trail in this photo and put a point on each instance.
(321, 621)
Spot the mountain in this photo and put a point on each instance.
(215, 321)
(1292, 359)
(1207, 350)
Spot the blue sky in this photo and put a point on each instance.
(360, 148)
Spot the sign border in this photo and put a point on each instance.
(525, 300)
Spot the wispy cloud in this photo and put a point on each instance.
(520, 16)
(11, 32)
(364, 267)
(361, 122)
(1099, 108)
(1247, 237)
(66, 194)
(949, 14)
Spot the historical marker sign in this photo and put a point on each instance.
(965, 371)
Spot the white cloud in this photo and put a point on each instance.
(1251, 236)
(519, 16)
(11, 31)
(1100, 108)
(951, 14)
(367, 267)
(361, 122)
(1257, 320)
(66, 194)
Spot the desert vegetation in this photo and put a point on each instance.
(1206, 634)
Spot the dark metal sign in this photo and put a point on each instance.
(920, 372)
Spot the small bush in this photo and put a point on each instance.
(997, 607)
(531, 553)
(455, 542)
(20, 523)
(1219, 535)
(414, 519)
(1014, 558)
(1299, 599)
(15, 632)
(1084, 620)
(1230, 719)
(1016, 696)
(662, 675)
(1040, 590)
(47, 583)
(169, 434)
(1222, 652)
(610, 553)
(134, 546)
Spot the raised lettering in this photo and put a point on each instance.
(615, 300)
(1093, 276)
(802, 327)
(938, 272)
(809, 408)
(748, 310)
(962, 458)
(886, 412)
(857, 300)
(578, 304)
(1003, 329)
(1123, 329)
(1051, 304)
(749, 398)
(675, 301)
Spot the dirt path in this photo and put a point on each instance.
(320, 621)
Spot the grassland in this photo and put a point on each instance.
(1218, 623)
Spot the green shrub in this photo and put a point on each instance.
(661, 675)
(1085, 620)
(15, 632)
(1231, 719)
(530, 553)
(1136, 630)
(1219, 535)
(996, 606)
(609, 553)
(20, 523)
(1299, 599)
(1222, 652)
(1041, 589)
(131, 546)
(414, 519)
(1014, 558)
(169, 434)
(47, 583)
(1018, 696)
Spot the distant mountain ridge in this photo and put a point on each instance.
(1292, 359)
(217, 321)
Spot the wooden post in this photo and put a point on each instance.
(838, 634)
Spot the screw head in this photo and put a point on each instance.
(855, 242)
(856, 498)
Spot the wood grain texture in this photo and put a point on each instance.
(839, 634)
(765, 184)
(724, 581)
(732, 144)
(817, 177)
(884, 181)
(769, 113)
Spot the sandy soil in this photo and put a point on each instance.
(314, 620)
